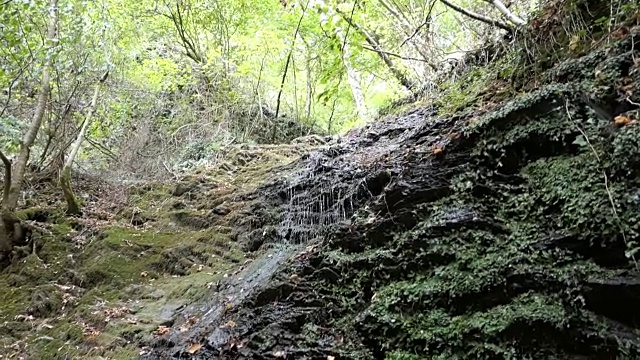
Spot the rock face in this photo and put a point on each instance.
(503, 233)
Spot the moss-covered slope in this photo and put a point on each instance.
(508, 232)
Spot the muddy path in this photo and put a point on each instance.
(487, 234)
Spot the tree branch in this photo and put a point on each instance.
(398, 56)
(399, 75)
(476, 16)
(426, 22)
(506, 12)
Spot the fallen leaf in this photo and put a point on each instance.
(436, 150)
(622, 120)
(194, 348)
(230, 324)
(329, 357)
(161, 330)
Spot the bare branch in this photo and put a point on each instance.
(398, 56)
(397, 73)
(426, 22)
(476, 16)
(506, 12)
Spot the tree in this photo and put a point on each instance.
(10, 228)
(73, 208)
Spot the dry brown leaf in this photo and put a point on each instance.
(161, 330)
(622, 120)
(230, 324)
(194, 348)
(436, 150)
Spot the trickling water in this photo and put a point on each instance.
(329, 185)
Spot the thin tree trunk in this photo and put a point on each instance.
(7, 177)
(284, 77)
(65, 175)
(284, 74)
(22, 159)
(309, 95)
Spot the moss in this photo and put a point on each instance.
(463, 93)
(110, 267)
(65, 338)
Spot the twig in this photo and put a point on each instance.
(417, 30)
(392, 54)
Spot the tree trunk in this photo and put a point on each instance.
(5, 240)
(65, 175)
(284, 74)
(309, 94)
(22, 159)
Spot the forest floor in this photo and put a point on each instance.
(99, 285)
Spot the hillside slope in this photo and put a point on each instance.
(507, 230)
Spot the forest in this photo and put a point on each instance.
(319, 179)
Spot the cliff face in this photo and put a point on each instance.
(508, 230)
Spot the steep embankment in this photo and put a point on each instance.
(507, 231)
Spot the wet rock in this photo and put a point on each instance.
(623, 291)
(221, 210)
(168, 313)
